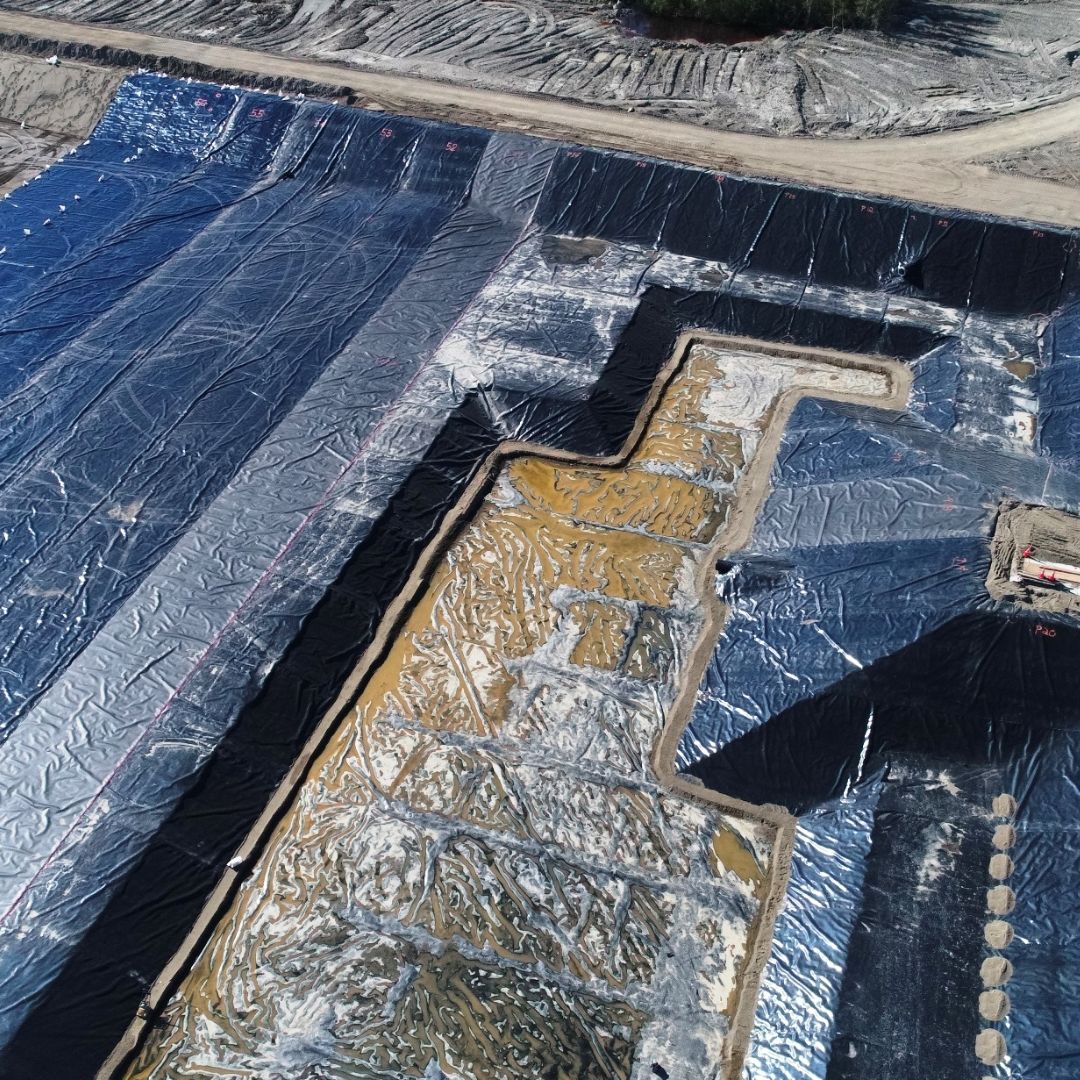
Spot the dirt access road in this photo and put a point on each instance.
(936, 169)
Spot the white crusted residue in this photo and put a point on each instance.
(939, 856)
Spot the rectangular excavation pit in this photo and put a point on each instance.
(491, 802)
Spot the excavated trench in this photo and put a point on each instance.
(144, 924)
(147, 920)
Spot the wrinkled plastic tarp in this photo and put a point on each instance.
(866, 680)
(252, 347)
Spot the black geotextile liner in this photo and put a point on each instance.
(820, 236)
(866, 681)
(960, 694)
(251, 349)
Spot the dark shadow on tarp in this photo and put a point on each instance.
(943, 719)
(87, 1007)
(979, 691)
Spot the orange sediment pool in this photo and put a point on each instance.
(483, 874)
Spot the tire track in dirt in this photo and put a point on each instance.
(931, 169)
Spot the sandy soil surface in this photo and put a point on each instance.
(1058, 161)
(44, 109)
(1050, 535)
(931, 169)
(63, 98)
(943, 64)
(25, 151)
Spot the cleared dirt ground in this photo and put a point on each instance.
(44, 109)
(1058, 161)
(24, 152)
(932, 169)
(942, 65)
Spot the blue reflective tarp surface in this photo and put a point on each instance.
(252, 347)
